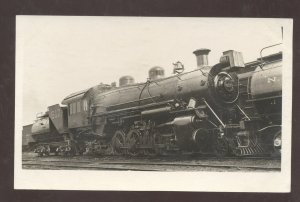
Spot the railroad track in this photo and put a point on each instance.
(78, 167)
(148, 166)
(162, 157)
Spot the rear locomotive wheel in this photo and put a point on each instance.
(132, 140)
(148, 142)
(158, 142)
(118, 141)
(42, 150)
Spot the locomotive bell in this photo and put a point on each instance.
(202, 57)
(156, 73)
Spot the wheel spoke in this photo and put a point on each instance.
(118, 142)
(132, 139)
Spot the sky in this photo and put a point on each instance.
(59, 55)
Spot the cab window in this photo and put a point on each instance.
(78, 107)
(75, 107)
(70, 109)
(85, 105)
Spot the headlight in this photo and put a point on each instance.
(277, 142)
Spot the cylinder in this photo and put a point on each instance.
(202, 57)
(200, 137)
(183, 128)
(184, 120)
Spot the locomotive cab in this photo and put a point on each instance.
(77, 104)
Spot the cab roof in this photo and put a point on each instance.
(74, 96)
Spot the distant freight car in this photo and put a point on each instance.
(27, 140)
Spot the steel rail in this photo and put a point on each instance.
(108, 165)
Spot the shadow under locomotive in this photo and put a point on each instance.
(231, 108)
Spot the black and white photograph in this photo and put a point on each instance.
(153, 103)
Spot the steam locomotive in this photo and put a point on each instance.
(231, 108)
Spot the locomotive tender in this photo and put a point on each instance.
(231, 108)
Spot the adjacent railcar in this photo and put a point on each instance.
(27, 140)
(262, 100)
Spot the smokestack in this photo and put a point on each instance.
(202, 57)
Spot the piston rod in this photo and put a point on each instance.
(212, 111)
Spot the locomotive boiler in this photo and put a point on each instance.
(230, 108)
(192, 111)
